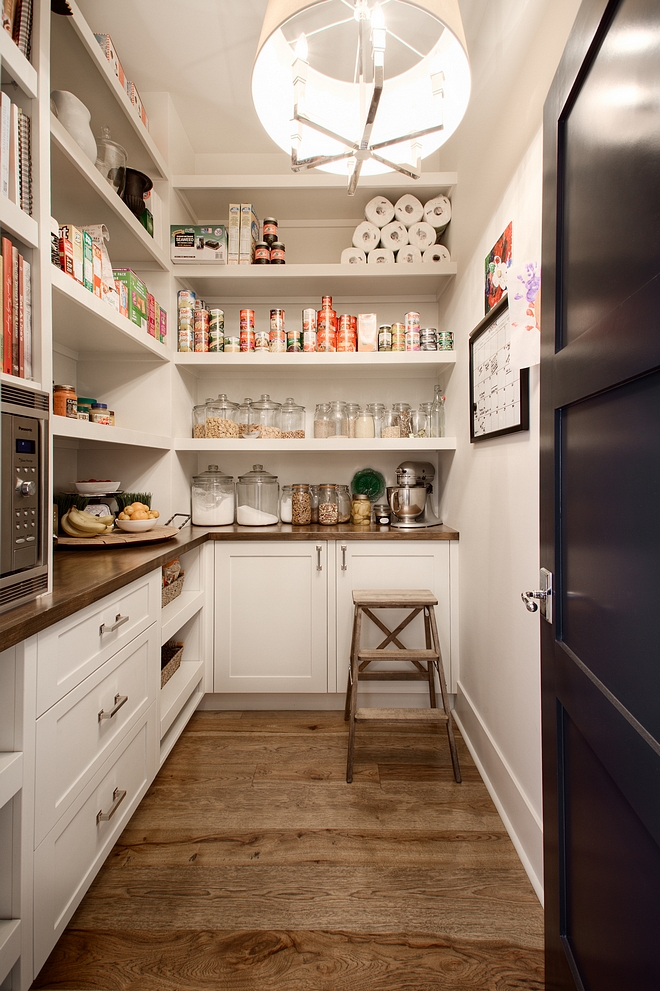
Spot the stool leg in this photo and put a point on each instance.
(354, 676)
(430, 666)
(347, 707)
(445, 699)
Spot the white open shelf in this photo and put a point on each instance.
(408, 445)
(23, 383)
(379, 364)
(10, 941)
(176, 613)
(84, 430)
(16, 66)
(11, 776)
(90, 326)
(16, 221)
(177, 692)
(80, 195)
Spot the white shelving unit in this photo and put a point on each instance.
(83, 430)
(323, 366)
(177, 613)
(17, 68)
(11, 776)
(177, 691)
(19, 224)
(10, 944)
(330, 445)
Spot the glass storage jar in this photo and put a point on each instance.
(323, 425)
(212, 498)
(293, 420)
(246, 428)
(285, 504)
(437, 425)
(420, 422)
(360, 510)
(221, 416)
(267, 416)
(338, 418)
(352, 411)
(364, 424)
(301, 504)
(314, 502)
(377, 410)
(328, 505)
(390, 425)
(343, 504)
(257, 498)
(405, 418)
(199, 420)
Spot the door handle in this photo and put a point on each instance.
(119, 701)
(117, 798)
(119, 621)
(528, 599)
(540, 596)
(343, 558)
(319, 566)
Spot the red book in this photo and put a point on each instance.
(7, 296)
(21, 318)
(14, 310)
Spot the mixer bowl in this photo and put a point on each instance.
(407, 501)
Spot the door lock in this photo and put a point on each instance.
(542, 594)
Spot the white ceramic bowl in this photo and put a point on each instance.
(136, 526)
(97, 488)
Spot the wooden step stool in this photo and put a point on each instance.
(425, 662)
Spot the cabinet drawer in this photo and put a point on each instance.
(69, 651)
(69, 857)
(73, 739)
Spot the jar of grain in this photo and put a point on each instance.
(323, 425)
(390, 425)
(301, 505)
(343, 503)
(339, 418)
(267, 418)
(221, 415)
(328, 505)
(360, 510)
(364, 424)
(420, 422)
(405, 418)
(199, 420)
(293, 420)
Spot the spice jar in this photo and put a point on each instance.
(257, 496)
(323, 425)
(267, 417)
(376, 410)
(360, 510)
(343, 503)
(246, 428)
(293, 420)
(328, 505)
(314, 502)
(338, 417)
(285, 504)
(212, 498)
(199, 420)
(364, 424)
(65, 401)
(221, 416)
(301, 505)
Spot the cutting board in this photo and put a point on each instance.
(118, 539)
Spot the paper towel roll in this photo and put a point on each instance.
(379, 211)
(366, 236)
(422, 235)
(353, 256)
(437, 254)
(408, 210)
(393, 236)
(410, 255)
(437, 213)
(380, 256)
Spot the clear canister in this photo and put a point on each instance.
(364, 424)
(199, 420)
(267, 415)
(437, 417)
(343, 504)
(285, 504)
(301, 504)
(257, 498)
(221, 416)
(328, 505)
(246, 428)
(352, 411)
(314, 502)
(293, 420)
(212, 498)
(420, 422)
(339, 418)
(377, 410)
(405, 418)
(323, 424)
(390, 425)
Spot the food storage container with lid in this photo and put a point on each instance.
(221, 416)
(246, 427)
(301, 504)
(199, 420)
(323, 425)
(257, 498)
(293, 420)
(285, 504)
(338, 417)
(314, 502)
(377, 410)
(405, 418)
(344, 503)
(420, 423)
(328, 505)
(111, 161)
(364, 424)
(390, 425)
(212, 498)
(267, 417)
(360, 510)
(352, 410)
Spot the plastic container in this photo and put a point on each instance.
(213, 498)
(360, 510)
(267, 418)
(199, 420)
(323, 424)
(293, 420)
(301, 504)
(344, 503)
(328, 505)
(285, 504)
(221, 416)
(257, 497)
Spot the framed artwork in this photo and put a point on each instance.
(499, 392)
(497, 265)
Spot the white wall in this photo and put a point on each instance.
(491, 497)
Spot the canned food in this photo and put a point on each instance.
(326, 330)
(201, 330)
(346, 341)
(277, 331)
(412, 339)
(294, 339)
(261, 340)
(309, 329)
(200, 304)
(186, 297)
(385, 337)
(398, 337)
(186, 338)
(412, 321)
(232, 345)
(270, 230)
(445, 340)
(261, 254)
(216, 330)
(277, 253)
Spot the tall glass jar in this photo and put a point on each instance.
(212, 498)
(199, 420)
(360, 510)
(364, 424)
(343, 504)
(377, 410)
(246, 428)
(352, 410)
(405, 418)
(293, 420)
(314, 503)
(267, 416)
(301, 505)
(221, 416)
(420, 422)
(390, 425)
(323, 425)
(285, 504)
(339, 418)
(257, 497)
(437, 425)
(328, 505)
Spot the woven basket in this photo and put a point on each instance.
(172, 591)
(170, 659)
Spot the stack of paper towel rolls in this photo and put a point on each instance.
(405, 230)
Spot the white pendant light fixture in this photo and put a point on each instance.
(361, 86)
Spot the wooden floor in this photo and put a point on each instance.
(251, 864)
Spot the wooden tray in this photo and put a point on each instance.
(118, 539)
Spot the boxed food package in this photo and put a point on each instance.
(75, 236)
(367, 331)
(198, 244)
(100, 235)
(151, 314)
(122, 297)
(138, 306)
(136, 100)
(163, 326)
(97, 270)
(249, 234)
(88, 261)
(110, 52)
(233, 235)
(66, 255)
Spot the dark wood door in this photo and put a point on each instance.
(600, 511)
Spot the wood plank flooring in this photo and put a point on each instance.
(251, 864)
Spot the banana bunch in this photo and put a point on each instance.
(78, 523)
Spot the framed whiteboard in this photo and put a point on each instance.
(499, 393)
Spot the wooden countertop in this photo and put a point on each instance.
(81, 577)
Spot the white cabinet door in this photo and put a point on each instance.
(372, 564)
(271, 621)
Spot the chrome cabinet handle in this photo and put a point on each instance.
(119, 621)
(319, 566)
(119, 701)
(343, 558)
(117, 798)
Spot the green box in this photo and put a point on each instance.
(88, 261)
(138, 307)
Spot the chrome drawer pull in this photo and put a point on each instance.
(119, 621)
(117, 798)
(343, 558)
(119, 701)
(319, 566)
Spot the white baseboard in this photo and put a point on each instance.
(323, 702)
(520, 819)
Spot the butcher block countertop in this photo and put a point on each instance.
(81, 577)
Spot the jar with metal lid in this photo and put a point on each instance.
(213, 498)
(360, 510)
(65, 401)
(301, 504)
(267, 416)
(261, 254)
(257, 497)
(199, 420)
(328, 505)
(364, 424)
(405, 418)
(377, 410)
(270, 230)
(382, 514)
(338, 417)
(277, 253)
(390, 425)
(314, 503)
(246, 427)
(343, 503)
(385, 337)
(352, 412)
(293, 420)
(437, 418)
(323, 425)
(285, 504)
(221, 416)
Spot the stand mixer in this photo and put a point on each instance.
(409, 499)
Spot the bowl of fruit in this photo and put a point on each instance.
(78, 523)
(96, 486)
(137, 517)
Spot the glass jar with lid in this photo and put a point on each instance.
(246, 428)
(285, 504)
(323, 425)
(377, 410)
(437, 420)
(199, 420)
(420, 422)
(390, 424)
(343, 504)
(267, 416)
(352, 411)
(221, 416)
(301, 504)
(314, 503)
(328, 505)
(360, 510)
(293, 420)
(213, 498)
(257, 498)
(364, 424)
(338, 418)
(405, 418)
